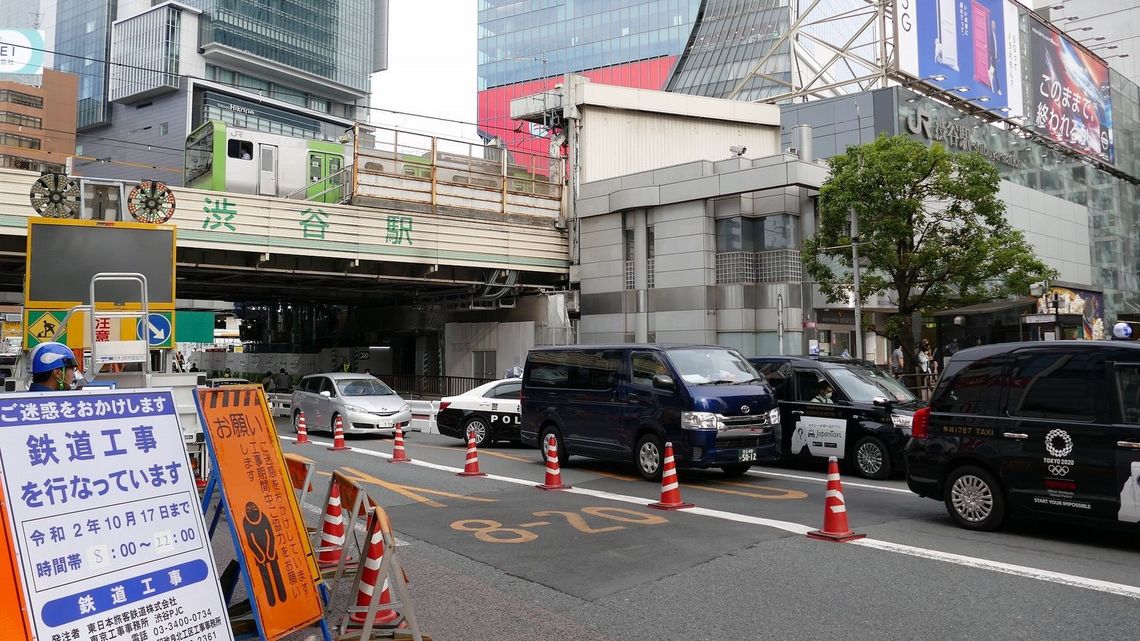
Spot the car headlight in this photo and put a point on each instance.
(353, 408)
(903, 422)
(701, 421)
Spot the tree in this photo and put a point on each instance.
(932, 232)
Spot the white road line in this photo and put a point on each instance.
(1037, 574)
(823, 479)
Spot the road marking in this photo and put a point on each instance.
(535, 524)
(414, 493)
(758, 491)
(823, 479)
(1048, 576)
(482, 451)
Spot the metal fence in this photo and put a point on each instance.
(919, 384)
(418, 386)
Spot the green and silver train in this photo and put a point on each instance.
(220, 157)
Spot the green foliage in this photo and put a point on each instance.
(931, 229)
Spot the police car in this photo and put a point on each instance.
(491, 410)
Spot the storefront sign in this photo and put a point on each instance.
(955, 136)
(105, 515)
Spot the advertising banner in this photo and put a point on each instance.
(269, 533)
(969, 47)
(22, 51)
(822, 436)
(1070, 97)
(105, 516)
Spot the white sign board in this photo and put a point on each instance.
(822, 436)
(22, 51)
(106, 518)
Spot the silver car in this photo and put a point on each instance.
(364, 404)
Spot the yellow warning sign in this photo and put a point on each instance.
(44, 327)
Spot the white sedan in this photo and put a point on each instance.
(491, 410)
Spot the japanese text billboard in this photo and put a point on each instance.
(1070, 97)
(269, 533)
(106, 518)
(969, 47)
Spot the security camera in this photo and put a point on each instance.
(737, 150)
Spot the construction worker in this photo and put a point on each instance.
(53, 368)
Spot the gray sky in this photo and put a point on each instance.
(431, 68)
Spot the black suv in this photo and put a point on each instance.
(866, 419)
(1046, 428)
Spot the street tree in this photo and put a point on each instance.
(932, 232)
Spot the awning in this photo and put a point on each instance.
(1002, 305)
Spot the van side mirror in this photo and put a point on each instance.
(326, 393)
(663, 382)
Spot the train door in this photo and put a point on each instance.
(324, 177)
(267, 171)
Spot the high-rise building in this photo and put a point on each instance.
(150, 73)
(37, 122)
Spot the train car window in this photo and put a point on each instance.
(314, 168)
(242, 149)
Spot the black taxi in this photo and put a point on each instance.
(841, 407)
(1046, 428)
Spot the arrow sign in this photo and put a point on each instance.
(156, 327)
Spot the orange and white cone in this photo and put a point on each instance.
(553, 474)
(399, 455)
(338, 436)
(332, 531)
(835, 526)
(670, 487)
(471, 466)
(302, 430)
(370, 574)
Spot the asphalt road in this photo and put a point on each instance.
(496, 558)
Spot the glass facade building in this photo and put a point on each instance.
(83, 47)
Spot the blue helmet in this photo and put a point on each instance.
(48, 356)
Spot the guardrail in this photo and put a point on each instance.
(415, 386)
(920, 384)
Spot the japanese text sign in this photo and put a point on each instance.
(104, 513)
(269, 532)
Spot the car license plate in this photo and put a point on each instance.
(384, 422)
(747, 456)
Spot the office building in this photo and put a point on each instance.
(151, 74)
(37, 122)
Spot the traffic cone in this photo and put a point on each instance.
(338, 436)
(835, 526)
(398, 453)
(302, 431)
(370, 573)
(670, 488)
(471, 467)
(553, 474)
(332, 531)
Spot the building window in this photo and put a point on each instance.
(12, 118)
(483, 365)
(630, 270)
(650, 281)
(20, 98)
(15, 140)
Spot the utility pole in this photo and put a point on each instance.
(855, 279)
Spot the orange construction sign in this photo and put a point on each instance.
(13, 621)
(257, 491)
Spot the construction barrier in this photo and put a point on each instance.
(280, 403)
(423, 416)
(383, 600)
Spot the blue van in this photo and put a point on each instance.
(624, 402)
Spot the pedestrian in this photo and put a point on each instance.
(952, 347)
(282, 381)
(267, 381)
(193, 367)
(53, 368)
(227, 373)
(896, 361)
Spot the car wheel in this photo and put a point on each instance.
(872, 458)
(649, 457)
(482, 433)
(563, 455)
(974, 498)
(736, 469)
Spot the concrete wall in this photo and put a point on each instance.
(1057, 229)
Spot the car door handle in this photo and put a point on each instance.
(1015, 435)
(797, 412)
(1132, 445)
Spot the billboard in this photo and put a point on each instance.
(969, 47)
(22, 51)
(1069, 99)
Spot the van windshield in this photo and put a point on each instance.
(868, 383)
(705, 366)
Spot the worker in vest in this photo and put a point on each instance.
(53, 368)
